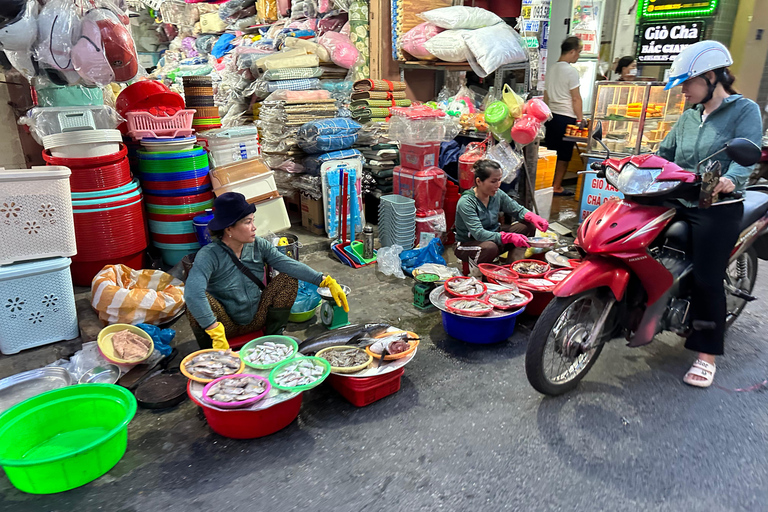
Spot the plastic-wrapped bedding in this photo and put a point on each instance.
(490, 48)
(328, 135)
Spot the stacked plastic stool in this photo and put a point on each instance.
(397, 221)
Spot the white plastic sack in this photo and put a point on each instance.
(492, 47)
(460, 16)
(449, 46)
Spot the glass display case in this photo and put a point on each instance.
(635, 116)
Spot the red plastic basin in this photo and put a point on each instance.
(179, 200)
(187, 238)
(94, 174)
(237, 424)
(83, 272)
(362, 391)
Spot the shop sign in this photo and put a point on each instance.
(595, 192)
(661, 42)
(674, 8)
(586, 21)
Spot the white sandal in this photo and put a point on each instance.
(701, 369)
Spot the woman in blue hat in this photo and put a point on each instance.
(224, 293)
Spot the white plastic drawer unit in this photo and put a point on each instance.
(35, 214)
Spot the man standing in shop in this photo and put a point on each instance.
(564, 99)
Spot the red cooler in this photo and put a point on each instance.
(426, 187)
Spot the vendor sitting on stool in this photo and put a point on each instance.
(223, 298)
(479, 236)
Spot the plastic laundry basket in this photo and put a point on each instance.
(38, 304)
(35, 214)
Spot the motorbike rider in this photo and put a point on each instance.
(718, 115)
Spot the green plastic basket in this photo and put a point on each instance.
(297, 389)
(285, 340)
(65, 438)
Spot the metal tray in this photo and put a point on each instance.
(17, 388)
(438, 298)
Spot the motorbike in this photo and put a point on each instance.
(636, 276)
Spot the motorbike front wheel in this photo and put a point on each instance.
(557, 357)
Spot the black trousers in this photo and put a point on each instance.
(714, 232)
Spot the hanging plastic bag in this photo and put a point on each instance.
(307, 298)
(508, 158)
(432, 253)
(120, 294)
(161, 338)
(475, 151)
(513, 101)
(388, 261)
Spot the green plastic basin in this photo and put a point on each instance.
(65, 438)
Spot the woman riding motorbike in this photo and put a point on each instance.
(719, 114)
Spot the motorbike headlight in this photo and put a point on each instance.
(612, 175)
(636, 181)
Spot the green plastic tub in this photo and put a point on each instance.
(284, 340)
(298, 318)
(65, 438)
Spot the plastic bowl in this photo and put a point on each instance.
(498, 273)
(298, 318)
(65, 438)
(413, 343)
(347, 369)
(523, 275)
(483, 330)
(449, 304)
(277, 369)
(283, 340)
(468, 296)
(248, 424)
(528, 294)
(183, 366)
(235, 405)
(105, 345)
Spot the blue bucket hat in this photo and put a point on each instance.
(229, 208)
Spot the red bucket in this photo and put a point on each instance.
(94, 174)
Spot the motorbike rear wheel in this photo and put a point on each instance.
(555, 360)
(741, 274)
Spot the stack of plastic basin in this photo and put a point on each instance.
(397, 221)
(178, 188)
(111, 225)
(97, 173)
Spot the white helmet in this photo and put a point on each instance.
(696, 60)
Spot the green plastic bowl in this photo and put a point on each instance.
(65, 438)
(298, 318)
(305, 387)
(285, 340)
(179, 209)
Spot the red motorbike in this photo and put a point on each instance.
(636, 277)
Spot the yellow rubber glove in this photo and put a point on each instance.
(338, 294)
(218, 336)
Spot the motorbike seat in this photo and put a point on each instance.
(755, 206)
(678, 236)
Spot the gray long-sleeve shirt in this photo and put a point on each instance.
(475, 221)
(693, 139)
(215, 272)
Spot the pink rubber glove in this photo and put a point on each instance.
(540, 223)
(515, 239)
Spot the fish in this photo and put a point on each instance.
(378, 345)
(268, 353)
(345, 357)
(300, 373)
(529, 268)
(506, 299)
(212, 365)
(469, 286)
(349, 335)
(470, 305)
(236, 389)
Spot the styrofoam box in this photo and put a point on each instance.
(254, 186)
(38, 304)
(271, 215)
(35, 214)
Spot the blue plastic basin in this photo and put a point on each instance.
(480, 330)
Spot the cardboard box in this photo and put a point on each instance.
(312, 215)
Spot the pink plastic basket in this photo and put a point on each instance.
(142, 125)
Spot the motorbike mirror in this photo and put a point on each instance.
(598, 133)
(743, 151)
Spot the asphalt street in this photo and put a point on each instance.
(465, 432)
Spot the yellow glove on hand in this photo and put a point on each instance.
(218, 336)
(338, 294)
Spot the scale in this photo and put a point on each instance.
(422, 289)
(331, 315)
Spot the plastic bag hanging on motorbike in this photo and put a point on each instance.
(513, 101)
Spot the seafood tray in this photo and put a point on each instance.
(498, 273)
(386, 339)
(346, 359)
(274, 396)
(374, 371)
(236, 391)
(530, 268)
(438, 297)
(468, 307)
(558, 275)
(300, 374)
(541, 242)
(509, 299)
(268, 351)
(464, 287)
(210, 364)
